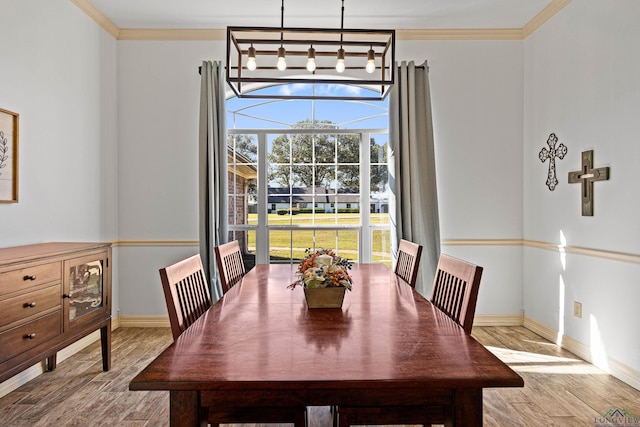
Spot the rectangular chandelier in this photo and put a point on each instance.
(343, 59)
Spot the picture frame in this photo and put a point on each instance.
(8, 156)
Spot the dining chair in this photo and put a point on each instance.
(230, 264)
(187, 296)
(186, 293)
(455, 289)
(408, 261)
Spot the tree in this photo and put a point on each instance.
(244, 145)
(320, 160)
(245, 150)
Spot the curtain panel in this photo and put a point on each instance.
(212, 171)
(412, 169)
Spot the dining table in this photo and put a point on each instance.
(387, 346)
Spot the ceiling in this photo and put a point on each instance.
(396, 14)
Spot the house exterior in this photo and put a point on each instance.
(320, 199)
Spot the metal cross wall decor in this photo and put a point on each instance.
(551, 154)
(587, 176)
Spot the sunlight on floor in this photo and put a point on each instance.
(523, 361)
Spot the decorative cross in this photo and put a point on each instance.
(551, 154)
(587, 176)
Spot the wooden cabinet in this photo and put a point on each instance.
(51, 295)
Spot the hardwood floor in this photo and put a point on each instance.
(560, 389)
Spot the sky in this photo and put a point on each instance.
(272, 113)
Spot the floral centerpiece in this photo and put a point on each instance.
(323, 269)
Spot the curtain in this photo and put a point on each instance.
(212, 174)
(412, 172)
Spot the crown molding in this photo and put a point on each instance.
(93, 13)
(171, 34)
(460, 34)
(540, 19)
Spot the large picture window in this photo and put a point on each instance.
(308, 174)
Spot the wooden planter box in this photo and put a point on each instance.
(325, 297)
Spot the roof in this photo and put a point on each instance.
(312, 195)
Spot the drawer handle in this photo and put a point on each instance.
(29, 277)
(66, 295)
(30, 336)
(29, 304)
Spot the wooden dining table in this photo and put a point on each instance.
(387, 346)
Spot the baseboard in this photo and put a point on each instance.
(619, 370)
(497, 320)
(144, 321)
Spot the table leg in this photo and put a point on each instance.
(184, 409)
(467, 407)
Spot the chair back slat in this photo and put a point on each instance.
(455, 289)
(186, 293)
(230, 264)
(408, 261)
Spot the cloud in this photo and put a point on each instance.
(293, 88)
(339, 89)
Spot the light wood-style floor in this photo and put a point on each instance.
(560, 389)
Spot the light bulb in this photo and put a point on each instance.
(282, 64)
(311, 62)
(251, 58)
(340, 64)
(371, 65)
(311, 65)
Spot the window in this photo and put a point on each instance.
(295, 164)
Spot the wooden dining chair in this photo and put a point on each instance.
(186, 293)
(230, 264)
(455, 289)
(408, 261)
(187, 297)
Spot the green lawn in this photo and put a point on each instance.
(292, 243)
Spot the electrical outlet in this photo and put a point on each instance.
(577, 309)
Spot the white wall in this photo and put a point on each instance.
(477, 98)
(57, 70)
(581, 82)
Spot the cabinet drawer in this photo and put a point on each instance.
(30, 276)
(20, 339)
(27, 306)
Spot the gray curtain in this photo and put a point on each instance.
(212, 175)
(412, 171)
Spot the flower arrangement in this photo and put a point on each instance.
(323, 269)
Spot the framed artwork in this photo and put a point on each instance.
(8, 157)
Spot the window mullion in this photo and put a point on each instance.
(365, 196)
(262, 233)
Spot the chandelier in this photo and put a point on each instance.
(343, 59)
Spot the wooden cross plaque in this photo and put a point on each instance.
(587, 176)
